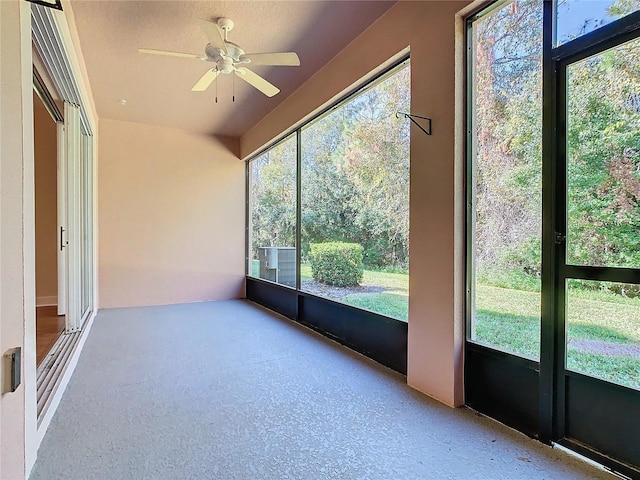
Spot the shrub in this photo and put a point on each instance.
(336, 263)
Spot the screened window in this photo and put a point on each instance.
(272, 184)
(505, 175)
(354, 202)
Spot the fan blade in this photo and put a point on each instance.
(170, 54)
(206, 80)
(213, 34)
(257, 81)
(289, 59)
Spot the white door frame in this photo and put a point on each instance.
(62, 220)
(73, 150)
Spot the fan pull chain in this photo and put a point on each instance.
(233, 84)
(217, 86)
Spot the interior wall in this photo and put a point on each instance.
(171, 216)
(45, 144)
(436, 290)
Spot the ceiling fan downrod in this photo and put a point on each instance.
(226, 25)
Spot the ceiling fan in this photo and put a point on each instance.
(230, 58)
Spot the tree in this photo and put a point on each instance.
(603, 171)
(273, 197)
(355, 174)
(507, 79)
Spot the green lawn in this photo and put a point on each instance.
(391, 304)
(393, 301)
(603, 328)
(609, 318)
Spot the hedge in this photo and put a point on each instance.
(336, 263)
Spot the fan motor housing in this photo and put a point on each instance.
(214, 54)
(224, 61)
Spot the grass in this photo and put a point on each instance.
(393, 281)
(507, 278)
(605, 319)
(509, 319)
(624, 370)
(392, 302)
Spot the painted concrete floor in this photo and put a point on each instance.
(227, 390)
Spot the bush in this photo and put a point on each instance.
(336, 263)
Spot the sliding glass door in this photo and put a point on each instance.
(77, 232)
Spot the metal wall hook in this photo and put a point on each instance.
(411, 117)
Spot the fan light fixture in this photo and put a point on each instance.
(231, 58)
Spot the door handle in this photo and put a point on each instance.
(62, 245)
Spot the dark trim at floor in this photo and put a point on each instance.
(503, 386)
(380, 338)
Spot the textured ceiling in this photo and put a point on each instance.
(157, 89)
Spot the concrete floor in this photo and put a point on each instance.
(227, 390)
